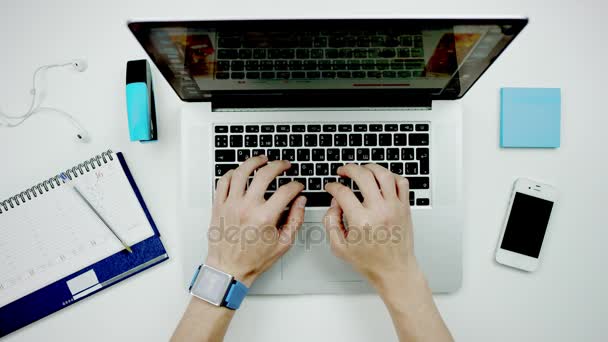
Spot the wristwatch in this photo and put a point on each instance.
(217, 287)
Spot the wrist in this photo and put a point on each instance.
(247, 277)
(393, 282)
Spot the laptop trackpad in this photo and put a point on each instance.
(311, 258)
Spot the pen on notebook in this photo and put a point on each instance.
(101, 218)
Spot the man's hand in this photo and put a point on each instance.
(244, 236)
(378, 239)
(378, 243)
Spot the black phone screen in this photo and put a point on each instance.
(527, 225)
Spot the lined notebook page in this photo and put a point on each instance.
(56, 234)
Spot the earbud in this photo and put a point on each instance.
(79, 65)
(83, 136)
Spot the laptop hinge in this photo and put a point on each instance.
(310, 100)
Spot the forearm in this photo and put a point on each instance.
(410, 303)
(203, 322)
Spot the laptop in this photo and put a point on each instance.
(322, 93)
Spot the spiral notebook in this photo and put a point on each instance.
(55, 251)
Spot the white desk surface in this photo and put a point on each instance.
(563, 46)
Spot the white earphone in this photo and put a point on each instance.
(10, 121)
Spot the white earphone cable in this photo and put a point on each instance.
(36, 108)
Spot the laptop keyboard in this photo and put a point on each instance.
(317, 150)
(320, 55)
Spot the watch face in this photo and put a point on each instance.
(211, 285)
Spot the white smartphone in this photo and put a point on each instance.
(526, 224)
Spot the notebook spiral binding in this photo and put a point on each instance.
(56, 181)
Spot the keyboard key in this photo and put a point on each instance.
(348, 154)
(301, 181)
(333, 168)
(316, 53)
(280, 140)
(422, 127)
(345, 128)
(314, 183)
(267, 128)
(221, 169)
(329, 128)
(221, 141)
(385, 139)
(407, 154)
(307, 169)
(288, 154)
(229, 42)
(400, 139)
(314, 128)
(268, 75)
(419, 139)
(392, 154)
(418, 182)
(328, 74)
(358, 74)
(253, 75)
(298, 128)
(227, 54)
(265, 140)
(224, 155)
(236, 141)
(327, 180)
(422, 201)
(422, 154)
(396, 168)
(340, 140)
(303, 154)
(355, 139)
(384, 165)
(318, 154)
(251, 141)
(313, 74)
(360, 128)
(375, 128)
(283, 181)
(259, 53)
(345, 181)
(322, 169)
(258, 152)
(283, 75)
(273, 154)
(325, 140)
(267, 66)
(370, 139)
(412, 197)
(310, 140)
(295, 140)
(294, 170)
(252, 129)
(237, 65)
(243, 155)
(411, 168)
(272, 186)
(221, 129)
(333, 154)
(377, 154)
(391, 127)
(406, 127)
(363, 154)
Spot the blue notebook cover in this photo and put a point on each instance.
(530, 117)
(98, 276)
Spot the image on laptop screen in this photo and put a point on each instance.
(442, 58)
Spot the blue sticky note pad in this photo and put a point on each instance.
(530, 117)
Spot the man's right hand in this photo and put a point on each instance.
(378, 243)
(378, 239)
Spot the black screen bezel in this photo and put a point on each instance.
(141, 29)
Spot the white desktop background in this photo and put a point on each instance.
(563, 46)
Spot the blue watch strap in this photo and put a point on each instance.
(236, 294)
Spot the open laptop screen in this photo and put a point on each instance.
(438, 57)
